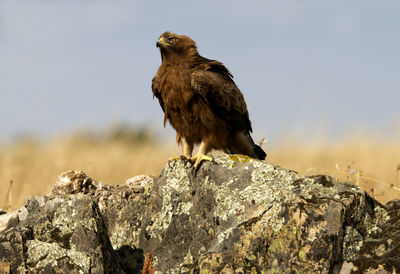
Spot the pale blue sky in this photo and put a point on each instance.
(301, 65)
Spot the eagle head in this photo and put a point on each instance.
(170, 43)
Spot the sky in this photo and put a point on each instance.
(303, 66)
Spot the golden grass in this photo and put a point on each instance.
(372, 164)
(33, 167)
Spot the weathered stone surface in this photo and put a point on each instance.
(71, 182)
(233, 215)
(72, 232)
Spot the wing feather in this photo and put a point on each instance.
(157, 94)
(213, 82)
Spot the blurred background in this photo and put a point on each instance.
(321, 81)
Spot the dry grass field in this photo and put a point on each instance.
(29, 167)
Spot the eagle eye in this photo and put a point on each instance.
(171, 39)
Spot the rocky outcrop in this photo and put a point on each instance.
(233, 215)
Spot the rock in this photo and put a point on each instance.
(71, 182)
(138, 183)
(233, 215)
(67, 231)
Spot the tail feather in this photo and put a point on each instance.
(259, 152)
(242, 143)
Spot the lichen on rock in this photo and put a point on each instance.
(232, 215)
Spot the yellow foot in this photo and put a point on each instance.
(199, 158)
(175, 158)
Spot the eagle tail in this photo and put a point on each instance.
(259, 152)
(242, 143)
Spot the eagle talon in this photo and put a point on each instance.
(198, 159)
(176, 158)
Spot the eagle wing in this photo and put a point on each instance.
(213, 82)
(157, 94)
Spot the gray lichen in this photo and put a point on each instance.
(41, 254)
(352, 244)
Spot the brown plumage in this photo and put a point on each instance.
(201, 101)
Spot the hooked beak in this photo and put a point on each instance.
(161, 42)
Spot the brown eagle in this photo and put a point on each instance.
(201, 101)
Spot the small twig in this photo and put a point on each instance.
(371, 179)
(382, 183)
(148, 267)
(262, 142)
(359, 175)
(8, 198)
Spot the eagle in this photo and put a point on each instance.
(201, 101)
